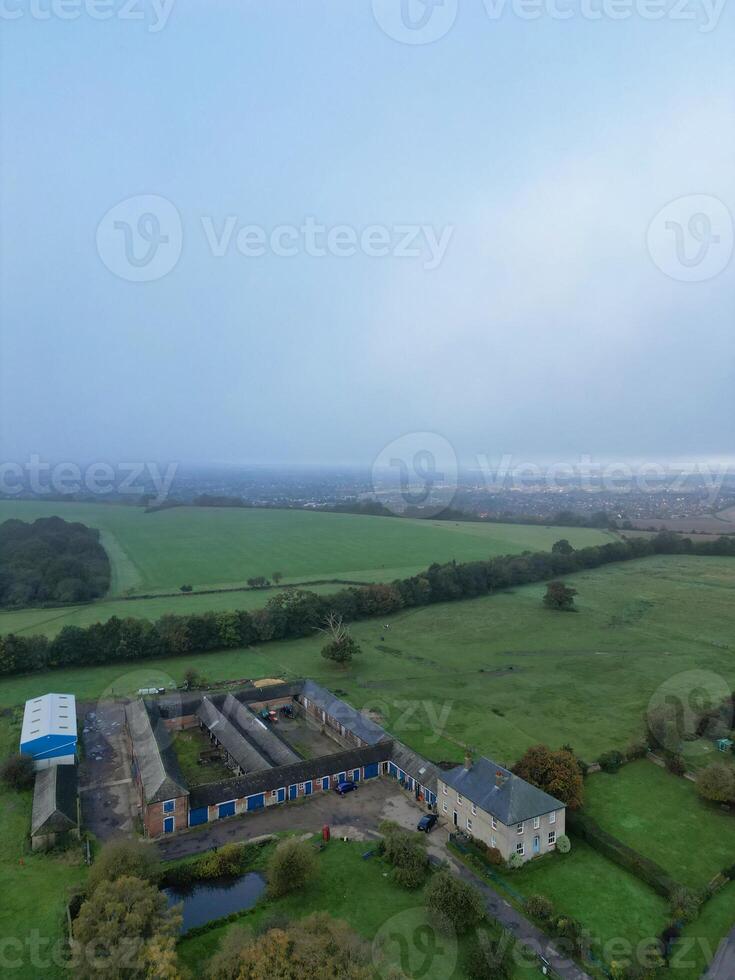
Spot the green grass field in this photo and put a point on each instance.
(209, 546)
(34, 887)
(700, 939)
(359, 892)
(609, 902)
(662, 817)
(497, 673)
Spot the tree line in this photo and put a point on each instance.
(51, 561)
(298, 613)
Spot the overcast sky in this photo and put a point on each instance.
(519, 162)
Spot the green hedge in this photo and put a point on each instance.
(622, 855)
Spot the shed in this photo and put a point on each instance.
(724, 744)
(55, 813)
(49, 732)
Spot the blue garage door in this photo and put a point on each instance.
(227, 809)
(356, 776)
(343, 777)
(198, 815)
(308, 787)
(281, 794)
(392, 770)
(256, 802)
(325, 782)
(371, 771)
(293, 792)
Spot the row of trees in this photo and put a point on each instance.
(297, 612)
(51, 561)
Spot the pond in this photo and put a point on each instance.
(216, 898)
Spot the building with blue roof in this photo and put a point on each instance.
(49, 733)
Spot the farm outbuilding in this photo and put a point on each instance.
(724, 744)
(55, 815)
(49, 732)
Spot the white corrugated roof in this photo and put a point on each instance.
(51, 714)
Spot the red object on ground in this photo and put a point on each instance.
(325, 832)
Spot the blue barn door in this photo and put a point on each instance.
(293, 792)
(281, 794)
(256, 802)
(308, 786)
(198, 816)
(226, 809)
(356, 776)
(325, 782)
(371, 771)
(168, 825)
(343, 777)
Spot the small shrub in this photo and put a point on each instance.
(685, 904)
(292, 866)
(611, 761)
(226, 861)
(124, 858)
(18, 772)
(515, 861)
(494, 856)
(539, 907)
(636, 750)
(675, 763)
(563, 844)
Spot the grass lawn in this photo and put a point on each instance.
(187, 745)
(498, 673)
(33, 887)
(210, 546)
(662, 817)
(609, 902)
(360, 892)
(700, 939)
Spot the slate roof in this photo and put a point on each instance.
(54, 800)
(352, 719)
(266, 741)
(511, 802)
(247, 757)
(284, 776)
(154, 753)
(415, 765)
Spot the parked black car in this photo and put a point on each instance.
(426, 824)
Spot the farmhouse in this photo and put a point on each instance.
(490, 803)
(319, 742)
(49, 732)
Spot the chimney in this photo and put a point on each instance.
(499, 778)
(467, 760)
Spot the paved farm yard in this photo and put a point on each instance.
(662, 817)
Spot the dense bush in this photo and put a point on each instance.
(452, 904)
(120, 858)
(539, 907)
(292, 865)
(622, 855)
(515, 862)
(554, 771)
(563, 844)
(298, 613)
(405, 851)
(717, 783)
(51, 561)
(490, 957)
(18, 772)
(611, 761)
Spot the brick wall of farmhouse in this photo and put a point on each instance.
(154, 816)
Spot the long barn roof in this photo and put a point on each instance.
(50, 714)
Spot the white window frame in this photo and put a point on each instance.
(301, 788)
(519, 828)
(552, 816)
(493, 842)
(552, 838)
(274, 793)
(445, 790)
(469, 824)
(493, 823)
(536, 823)
(520, 848)
(474, 810)
(172, 804)
(460, 799)
(444, 807)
